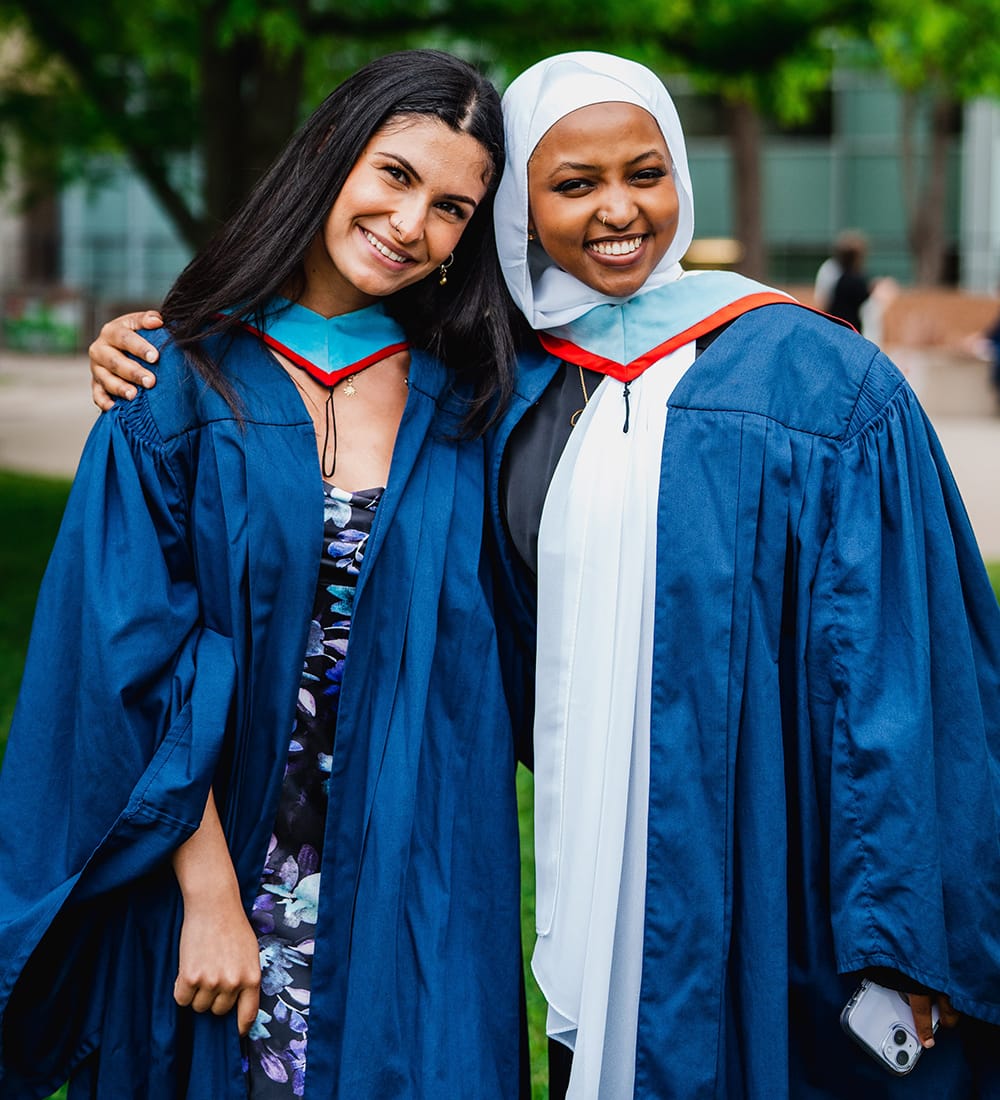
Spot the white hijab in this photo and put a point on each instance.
(532, 105)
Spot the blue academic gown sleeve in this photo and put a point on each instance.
(905, 662)
(119, 721)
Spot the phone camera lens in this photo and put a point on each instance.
(902, 1057)
(899, 1037)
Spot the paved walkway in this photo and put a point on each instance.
(45, 414)
(964, 411)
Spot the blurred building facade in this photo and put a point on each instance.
(845, 171)
(980, 198)
(11, 234)
(116, 242)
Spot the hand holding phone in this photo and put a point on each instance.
(881, 1022)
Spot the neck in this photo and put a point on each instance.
(323, 289)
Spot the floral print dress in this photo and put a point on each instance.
(285, 911)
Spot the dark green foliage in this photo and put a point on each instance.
(30, 511)
(993, 568)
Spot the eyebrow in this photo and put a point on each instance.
(416, 175)
(573, 166)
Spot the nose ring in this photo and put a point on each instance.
(604, 220)
(397, 226)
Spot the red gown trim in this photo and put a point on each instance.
(627, 372)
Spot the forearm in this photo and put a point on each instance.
(203, 865)
(219, 964)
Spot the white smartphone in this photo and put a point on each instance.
(881, 1022)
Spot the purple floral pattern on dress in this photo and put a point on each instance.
(286, 908)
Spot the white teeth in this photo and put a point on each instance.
(616, 248)
(382, 248)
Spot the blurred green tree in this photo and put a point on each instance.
(225, 78)
(940, 53)
(764, 58)
(768, 57)
(229, 78)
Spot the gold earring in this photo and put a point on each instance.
(443, 280)
(531, 234)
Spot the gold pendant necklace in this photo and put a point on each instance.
(586, 398)
(349, 389)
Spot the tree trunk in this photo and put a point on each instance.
(40, 259)
(249, 108)
(745, 151)
(926, 201)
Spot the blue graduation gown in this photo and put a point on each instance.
(165, 658)
(825, 736)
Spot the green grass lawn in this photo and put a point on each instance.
(30, 509)
(537, 1043)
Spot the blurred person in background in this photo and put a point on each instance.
(984, 345)
(844, 289)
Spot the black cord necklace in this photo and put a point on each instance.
(330, 423)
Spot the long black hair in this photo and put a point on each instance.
(259, 252)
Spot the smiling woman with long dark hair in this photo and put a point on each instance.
(264, 249)
(260, 777)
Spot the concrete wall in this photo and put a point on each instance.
(11, 236)
(981, 197)
(117, 245)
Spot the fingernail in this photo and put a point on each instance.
(150, 356)
(147, 380)
(130, 393)
(928, 1044)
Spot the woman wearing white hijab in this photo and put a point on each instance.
(767, 668)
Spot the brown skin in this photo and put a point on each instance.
(399, 215)
(920, 1005)
(601, 179)
(219, 964)
(113, 373)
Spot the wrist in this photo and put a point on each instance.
(202, 888)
